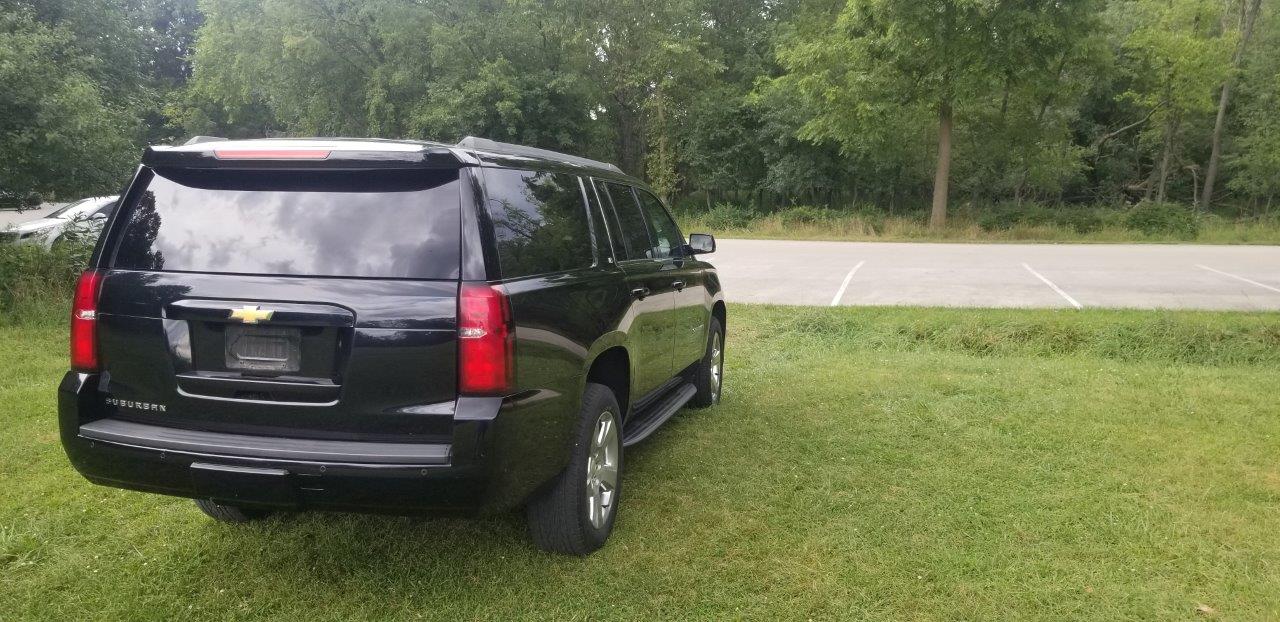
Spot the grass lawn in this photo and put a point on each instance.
(866, 464)
(964, 229)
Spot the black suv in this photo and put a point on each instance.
(387, 325)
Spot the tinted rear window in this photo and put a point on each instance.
(386, 224)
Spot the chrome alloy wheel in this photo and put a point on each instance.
(602, 470)
(717, 366)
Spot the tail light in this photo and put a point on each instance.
(84, 323)
(486, 343)
(271, 154)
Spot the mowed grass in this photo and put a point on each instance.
(866, 464)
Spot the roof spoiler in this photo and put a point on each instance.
(195, 140)
(474, 143)
(246, 156)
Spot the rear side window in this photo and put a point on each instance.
(539, 220)
(633, 232)
(384, 224)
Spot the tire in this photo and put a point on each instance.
(567, 517)
(229, 513)
(709, 377)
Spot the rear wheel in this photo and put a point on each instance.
(709, 377)
(229, 513)
(576, 514)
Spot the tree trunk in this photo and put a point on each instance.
(1211, 171)
(630, 142)
(942, 177)
(1171, 128)
(1195, 187)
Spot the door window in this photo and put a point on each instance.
(666, 236)
(634, 233)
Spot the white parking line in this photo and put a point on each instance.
(845, 285)
(1240, 278)
(1071, 300)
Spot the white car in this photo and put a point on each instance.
(85, 216)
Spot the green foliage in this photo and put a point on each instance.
(1256, 164)
(806, 215)
(59, 135)
(1008, 215)
(727, 216)
(1154, 218)
(35, 284)
(813, 103)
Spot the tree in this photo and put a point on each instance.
(1176, 58)
(884, 65)
(59, 134)
(1254, 164)
(1249, 10)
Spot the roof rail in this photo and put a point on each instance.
(493, 146)
(195, 140)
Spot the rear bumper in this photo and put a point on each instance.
(494, 461)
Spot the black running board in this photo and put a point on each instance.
(657, 414)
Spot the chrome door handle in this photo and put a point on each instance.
(679, 285)
(640, 292)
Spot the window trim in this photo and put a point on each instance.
(583, 182)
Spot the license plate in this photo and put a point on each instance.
(263, 348)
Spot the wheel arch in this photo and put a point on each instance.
(612, 368)
(718, 312)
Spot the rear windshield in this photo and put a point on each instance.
(381, 224)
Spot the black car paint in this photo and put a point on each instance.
(396, 368)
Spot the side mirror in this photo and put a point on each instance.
(702, 243)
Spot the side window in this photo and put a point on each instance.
(539, 221)
(666, 236)
(632, 228)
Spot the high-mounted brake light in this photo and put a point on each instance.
(486, 342)
(271, 154)
(84, 323)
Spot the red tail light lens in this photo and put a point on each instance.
(486, 343)
(271, 154)
(84, 323)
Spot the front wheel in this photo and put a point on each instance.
(709, 377)
(575, 515)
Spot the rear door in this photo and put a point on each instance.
(650, 282)
(293, 303)
(689, 314)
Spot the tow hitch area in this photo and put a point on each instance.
(243, 485)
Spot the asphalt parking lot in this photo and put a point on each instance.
(13, 217)
(1141, 276)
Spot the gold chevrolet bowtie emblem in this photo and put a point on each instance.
(251, 314)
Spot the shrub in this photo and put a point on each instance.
(727, 216)
(1007, 216)
(1082, 220)
(1163, 219)
(36, 284)
(806, 215)
(1000, 217)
